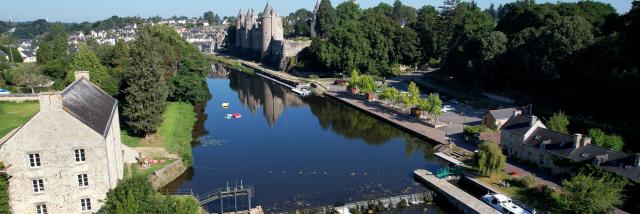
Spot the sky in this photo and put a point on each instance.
(94, 10)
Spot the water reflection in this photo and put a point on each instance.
(254, 93)
(310, 152)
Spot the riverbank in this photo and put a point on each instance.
(167, 153)
(401, 121)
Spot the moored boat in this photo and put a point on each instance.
(503, 204)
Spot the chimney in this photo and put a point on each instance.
(534, 119)
(82, 74)
(577, 140)
(586, 141)
(636, 163)
(50, 101)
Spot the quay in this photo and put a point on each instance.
(401, 121)
(459, 199)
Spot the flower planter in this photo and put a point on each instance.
(354, 90)
(416, 112)
(369, 96)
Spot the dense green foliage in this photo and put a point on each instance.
(136, 195)
(590, 194)
(600, 138)
(326, 18)
(365, 83)
(4, 191)
(490, 159)
(86, 60)
(298, 24)
(369, 40)
(27, 75)
(53, 56)
(145, 89)
(558, 122)
(211, 17)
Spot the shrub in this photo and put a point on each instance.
(4, 192)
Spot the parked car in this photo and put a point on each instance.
(4, 91)
(447, 108)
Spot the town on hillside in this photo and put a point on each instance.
(349, 107)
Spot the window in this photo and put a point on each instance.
(80, 155)
(86, 204)
(34, 160)
(38, 185)
(41, 209)
(83, 181)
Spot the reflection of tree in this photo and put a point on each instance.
(198, 129)
(255, 92)
(351, 123)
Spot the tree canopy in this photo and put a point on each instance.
(559, 123)
(490, 159)
(590, 194)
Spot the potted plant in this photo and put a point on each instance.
(369, 96)
(354, 89)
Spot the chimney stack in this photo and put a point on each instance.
(82, 74)
(534, 119)
(586, 141)
(577, 140)
(50, 101)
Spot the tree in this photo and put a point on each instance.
(29, 75)
(326, 18)
(599, 138)
(86, 60)
(137, 195)
(297, 23)
(426, 30)
(559, 122)
(435, 105)
(389, 93)
(403, 14)
(189, 87)
(211, 17)
(490, 159)
(589, 194)
(414, 93)
(145, 91)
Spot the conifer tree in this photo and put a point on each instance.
(145, 91)
(326, 18)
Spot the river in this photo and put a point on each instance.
(299, 152)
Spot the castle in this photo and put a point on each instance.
(262, 38)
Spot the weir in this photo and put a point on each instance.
(388, 203)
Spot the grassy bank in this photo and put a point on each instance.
(232, 64)
(174, 134)
(13, 115)
(176, 129)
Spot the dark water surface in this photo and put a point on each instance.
(299, 152)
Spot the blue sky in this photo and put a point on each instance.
(93, 10)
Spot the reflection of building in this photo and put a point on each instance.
(255, 92)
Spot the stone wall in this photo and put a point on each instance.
(47, 134)
(164, 176)
(18, 97)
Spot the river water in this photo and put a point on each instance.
(299, 152)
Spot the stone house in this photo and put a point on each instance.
(68, 155)
(526, 138)
(498, 117)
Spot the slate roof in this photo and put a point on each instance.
(519, 124)
(90, 105)
(501, 114)
(562, 145)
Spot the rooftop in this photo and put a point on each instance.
(504, 113)
(90, 105)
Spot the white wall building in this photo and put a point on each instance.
(69, 155)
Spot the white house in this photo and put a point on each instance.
(67, 156)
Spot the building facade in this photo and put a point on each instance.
(526, 138)
(67, 156)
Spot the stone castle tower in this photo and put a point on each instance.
(257, 36)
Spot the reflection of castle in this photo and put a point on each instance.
(255, 92)
(262, 38)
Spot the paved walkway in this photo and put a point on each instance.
(459, 198)
(401, 121)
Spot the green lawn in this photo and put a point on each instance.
(176, 129)
(137, 170)
(13, 115)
